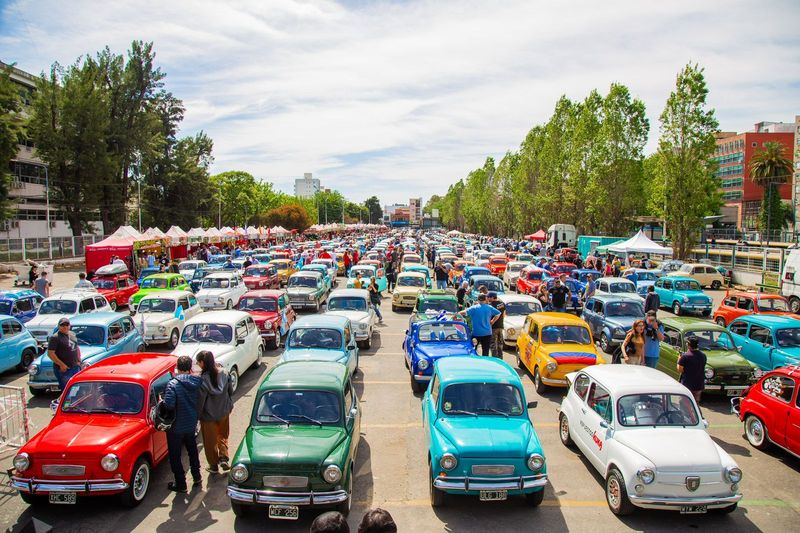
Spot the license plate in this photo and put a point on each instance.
(694, 509)
(284, 512)
(64, 498)
(493, 495)
(734, 392)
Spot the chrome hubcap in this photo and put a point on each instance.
(613, 492)
(564, 428)
(756, 431)
(140, 482)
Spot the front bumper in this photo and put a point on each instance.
(266, 497)
(159, 338)
(44, 385)
(86, 486)
(303, 304)
(712, 502)
(212, 305)
(407, 304)
(554, 382)
(467, 484)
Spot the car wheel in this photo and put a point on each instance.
(31, 499)
(416, 386)
(345, 506)
(794, 304)
(275, 343)
(726, 510)
(676, 309)
(563, 431)
(437, 496)
(36, 392)
(368, 342)
(140, 482)
(535, 499)
(617, 495)
(706, 313)
(756, 432)
(605, 344)
(140, 348)
(537, 381)
(259, 355)
(233, 375)
(715, 285)
(229, 305)
(520, 364)
(173, 339)
(238, 509)
(720, 321)
(26, 359)
(113, 305)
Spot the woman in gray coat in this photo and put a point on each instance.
(214, 407)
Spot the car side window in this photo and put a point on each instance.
(251, 325)
(780, 387)
(115, 332)
(24, 305)
(581, 386)
(347, 335)
(760, 334)
(598, 307)
(672, 336)
(184, 303)
(127, 325)
(729, 302)
(130, 282)
(241, 330)
(659, 283)
(535, 332)
(100, 302)
(348, 398)
(122, 283)
(86, 306)
(746, 304)
(600, 402)
(668, 284)
(192, 301)
(435, 389)
(739, 328)
(158, 387)
(603, 286)
(7, 330)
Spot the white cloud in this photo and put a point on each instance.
(401, 99)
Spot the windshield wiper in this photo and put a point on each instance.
(491, 410)
(460, 412)
(276, 417)
(103, 410)
(308, 418)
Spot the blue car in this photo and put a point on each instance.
(429, 340)
(216, 261)
(768, 341)
(475, 271)
(20, 303)
(574, 304)
(682, 294)
(322, 338)
(197, 277)
(581, 274)
(480, 439)
(492, 284)
(610, 317)
(17, 345)
(323, 270)
(147, 271)
(100, 335)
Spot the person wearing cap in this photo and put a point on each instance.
(63, 350)
(559, 295)
(483, 317)
(497, 325)
(692, 368)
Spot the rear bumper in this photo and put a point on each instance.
(266, 497)
(467, 484)
(724, 388)
(40, 486)
(712, 502)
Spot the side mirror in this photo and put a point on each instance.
(604, 424)
(705, 423)
(533, 405)
(351, 346)
(54, 405)
(738, 348)
(239, 341)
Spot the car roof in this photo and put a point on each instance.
(484, 277)
(321, 321)
(754, 295)
(609, 298)
(360, 293)
(507, 297)
(475, 369)
(16, 294)
(688, 323)
(770, 320)
(413, 273)
(307, 274)
(223, 317)
(679, 278)
(139, 366)
(96, 319)
(556, 319)
(8, 317)
(633, 379)
(264, 293)
(222, 274)
(73, 294)
(624, 280)
(165, 275)
(166, 294)
(306, 375)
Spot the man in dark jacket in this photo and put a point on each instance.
(181, 396)
(652, 301)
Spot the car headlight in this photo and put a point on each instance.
(362, 327)
(448, 461)
(422, 364)
(33, 370)
(551, 366)
(110, 462)
(685, 299)
(22, 461)
(619, 331)
(220, 300)
(239, 473)
(733, 473)
(646, 475)
(332, 474)
(535, 461)
(709, 373)
(511, 331)
(162, 329)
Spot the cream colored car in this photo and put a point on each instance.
(406, 289)
(705, 275)
(158, 319)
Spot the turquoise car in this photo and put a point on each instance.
(480, 439)
(413, 267)
(17, 345)
(368, 271)
(492, 284)
(768, 341)
(100, 335)
(683, 295)
(322, 338)
(322, 269)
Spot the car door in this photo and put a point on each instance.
(669, 351)
(86, 306)
(116, 338)
(793, 426)
(531, 350)
(351, 347)
(666, 295)
(9, 354)
(253, 339)
(132, 338)
(193, 309)
(101, 304)
(598, 419)
(590, 317)
(352, 418)
(759, 346)
(23, 309)
(158, 439)
(242, 357)
(782, 390)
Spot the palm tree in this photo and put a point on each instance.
(770, 167)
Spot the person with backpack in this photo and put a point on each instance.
(181, 397)
(214, 407)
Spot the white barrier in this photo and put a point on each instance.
(14, 423)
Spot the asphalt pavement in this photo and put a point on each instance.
(391, 469)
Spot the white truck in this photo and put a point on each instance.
(561, 236)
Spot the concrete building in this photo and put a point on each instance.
(734, 152)
(306, 187)
(396, 215)
(796, 177)
(415, 211)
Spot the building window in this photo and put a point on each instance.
(732, 195)
(732, 182)
(729, 171)
(28, 173)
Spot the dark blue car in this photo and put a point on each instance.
(22, 304)
(430, 340)
(147, 271)
(574, 304)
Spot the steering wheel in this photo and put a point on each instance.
(667, 415)
(325, 413)
(285, 409)
(501, 403)
(453, 337)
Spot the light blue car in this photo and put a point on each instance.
(17, 346)
(422, 269)
(682, 295)
(492, 284)
(322, 338)
(480, 439)
(768, 341)
(322, 269)
(100, 335)
(368, 271)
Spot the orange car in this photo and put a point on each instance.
(498, 264)
(738, 303)
(457, 272)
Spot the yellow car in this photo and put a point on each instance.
(551, 345)
(285, 268)
(406, 289)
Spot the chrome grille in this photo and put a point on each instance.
(63, 470)
(492, 470)
(285, 482)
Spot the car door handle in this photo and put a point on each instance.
(583, 410)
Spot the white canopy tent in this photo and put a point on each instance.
(639, 243)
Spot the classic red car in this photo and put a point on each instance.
(117, 288)
(498, 264)
(770, 410)
(272, 313)
(101, 439)
(529, 279)
(561, 267)
(261, 276)
(566, 255)
(738, 303)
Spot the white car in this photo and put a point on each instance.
(354, 304)
(221, 290)
(67, 304)
(232, 336)
(158, 319)
(643, 432)
(616, 286)
(187, 268)
(512, 273)
(518, 307)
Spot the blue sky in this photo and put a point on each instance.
(401, 99)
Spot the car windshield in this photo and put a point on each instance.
(772, 304)
(646, 276)
(451, 306)
(498, 261)
(281, 265)
(200, 273)
(5, 308)
(515, 268)
(253, 303)
(58, 307)
(89, 335)
(712, 339)
(256, 272)
(347, 303)
(302, 281)
(484, 399)
(788, 338)
(442, 332)
(535, 275)
(218, 259)
(365, 272)
(657, 410)
(103, 283)
(411, 259)
(154, 283)
(213, 333)
(156, 305)
(298, 407)
(327, 339)
(110, 397)
(685, 285)
(522, 308)
(490, 284)
(410, 281)
(624, 309)
(565, 335)
(216, 283)
(619, 287)
(187, 265)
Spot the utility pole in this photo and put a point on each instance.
(219, 212)
(139, 188)
(47, 201)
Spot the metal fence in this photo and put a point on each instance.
(13, 250)
(742, 258)
(14, 423)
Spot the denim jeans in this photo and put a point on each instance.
(63, 378)
(441, 284)
(377, 309)
(497, 342)
(175, 444)
(652, 362)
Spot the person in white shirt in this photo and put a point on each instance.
(83, 283)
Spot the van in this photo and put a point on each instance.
(790, 283)
(562, 235)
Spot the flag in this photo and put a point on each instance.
(442, 316)
(179, 312)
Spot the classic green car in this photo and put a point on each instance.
(300, 447)
(727, 372)
(431, 303)
(307, 289)
(158, 282)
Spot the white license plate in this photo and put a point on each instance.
(64, 498)
(733, 392)
(694, 509)
(493, 495)
(284, 512)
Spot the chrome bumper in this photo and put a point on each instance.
(551, 381)
(651, 502)
(44, 385)
(37, 486)
(725, 387)
(155, 339)
(289, 498)
(268, 334)
(488, 483)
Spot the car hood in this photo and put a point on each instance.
(301, 290)
(212, 292)
(354, 316)
(407, 291)
(696, 451)
(311, 354)
(726, 359)
(515, 321)
(191, 348)
(45, 321)
(152, 318)
(434, 350)
(260, 316)
(86, 433)
(625, 322)
(299, 443)
(487, 436)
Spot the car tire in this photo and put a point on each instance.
(276, 342)
(520, 364)
(676, 309)
(31, 499)
(140, 348)
(756, 432)
(534, 499)
(394, 308)
(173, 339)
(720, 321)
(537, 381)
(26, 359)
(794, 304)
(436, 496)
(229, 305)
(368, 342)
(233, 375)
(239, 510)
(259, 355)
(113, 305)
(725, 510)
(140, 482)
(605, 344)
(416, 386)
(715, 285)
(706, 313)
(345, 506)
(563, 431)
(617, 494)
(36, 392)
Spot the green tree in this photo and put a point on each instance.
(330, 205)
(769, 168)
(238, 197)
(291, 216)
(374, 210)
(11, 129)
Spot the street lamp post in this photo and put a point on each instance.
(47, 202)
